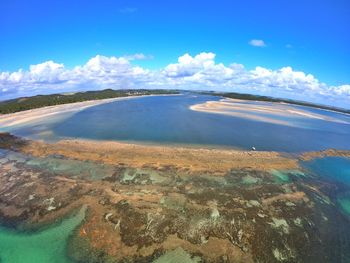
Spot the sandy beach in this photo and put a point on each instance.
(242, 109)
(24, 117)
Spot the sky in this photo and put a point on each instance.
(294, 49)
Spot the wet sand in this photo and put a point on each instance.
(264, 111)
(29, 116)
(221, 205)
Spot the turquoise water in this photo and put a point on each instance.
(280, 176)
(168, 120)
(48, 245)
(284, 176)
(72, 168)
(344, 202)
(59, 166)
(334, 169)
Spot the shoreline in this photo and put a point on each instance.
(164, 194)
(18, 118)
(216, 161)
(290, 102)
(309, 156)
(238, 108)
(10, 121)
(318, 108)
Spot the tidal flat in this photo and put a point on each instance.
(166, 204)
(194, 193)
(274, 113)
(170, 120)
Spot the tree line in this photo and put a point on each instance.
(27, 103)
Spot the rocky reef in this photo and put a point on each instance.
(143, 211)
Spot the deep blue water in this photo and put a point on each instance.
(332, 168)
(168, 119)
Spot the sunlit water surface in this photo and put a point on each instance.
(169, 120)
(47, 245)
(335, 169)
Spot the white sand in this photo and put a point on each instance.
(28, 116)
(238, 108)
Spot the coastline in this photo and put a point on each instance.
(259, 98)
(240, 109)
(158, 197)
(292, 104)
(308, 156)
(27, 116)
(216, 161)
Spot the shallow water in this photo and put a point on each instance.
(210, 192)
(344, 202)
(72, 168)
(48, 245)
(168, 120)
(335, 169)
(57, 165)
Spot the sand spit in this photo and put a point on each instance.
(28, 116)
(265, 112)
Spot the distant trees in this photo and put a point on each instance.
(243, 96)
(39, 101)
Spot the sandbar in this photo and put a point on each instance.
(276, 113)
(30, 116)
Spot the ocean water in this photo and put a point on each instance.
(168, 120)
(59, 166)
(331, 168)
(344, 202)
(47, 245)
(335, 169)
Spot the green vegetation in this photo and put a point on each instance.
(27, 103)
(39, 101)
(243, 96)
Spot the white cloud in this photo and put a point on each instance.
(188, 66)
(138, 56)
(257, 43)
(190, 72)
(342, 90)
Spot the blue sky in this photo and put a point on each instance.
(309, 36)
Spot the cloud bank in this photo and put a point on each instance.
(199, 72)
